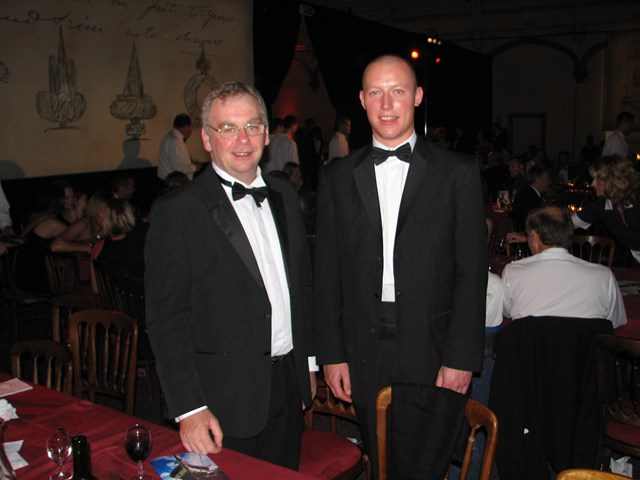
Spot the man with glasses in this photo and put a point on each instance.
(227, 282)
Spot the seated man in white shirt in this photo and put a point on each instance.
(553, 282)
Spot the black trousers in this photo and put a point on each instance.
(281, 438)
(387, 372)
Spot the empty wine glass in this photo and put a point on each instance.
(58, 450)
(137, 443)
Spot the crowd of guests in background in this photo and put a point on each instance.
(64, 220)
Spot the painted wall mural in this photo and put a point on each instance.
(133, 104)
(94, 85)
(62, 104)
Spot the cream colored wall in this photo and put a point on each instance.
(537, 79)
(98, 37)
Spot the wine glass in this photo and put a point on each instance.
(58, 450)
(137, 443)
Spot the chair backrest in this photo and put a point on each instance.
(477, 415)
(43, 362)
(104, 344)
(329, 454)
(104, 284)
(63, 273)
(587, 474)
(594, 249)
(326, 404)
(62, 307)
(618, 373)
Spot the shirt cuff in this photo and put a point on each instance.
(313, 366)
(578, 222)
(188, 414)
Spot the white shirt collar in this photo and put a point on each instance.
(258, 182)
(412, 142)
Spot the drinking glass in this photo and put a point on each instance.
(58, 450)
(137, 443)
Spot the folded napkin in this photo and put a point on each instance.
(7, 411)
(12, 449)
(13, 386)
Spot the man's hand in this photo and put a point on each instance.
(195, 436)
(516, 237)
(456, 380)
(339, 381)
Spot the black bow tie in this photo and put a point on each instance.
(239, 191)
(403, 152)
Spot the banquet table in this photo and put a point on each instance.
(42, 410)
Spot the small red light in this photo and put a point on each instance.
(438, 60)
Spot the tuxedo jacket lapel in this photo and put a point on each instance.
(276, 203)
(225, 217)
(365, 179)
(416, 179)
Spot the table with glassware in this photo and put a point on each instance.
(42, 412)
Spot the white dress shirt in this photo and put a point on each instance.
(391, 176)
(338, 146)
(260, 228)
(556, 283)
(616, 145)
(173, 156)
(5, 217)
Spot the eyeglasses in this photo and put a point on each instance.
(231, 131)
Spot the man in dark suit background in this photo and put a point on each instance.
(228, 293)
(530, 197)
(401, 261)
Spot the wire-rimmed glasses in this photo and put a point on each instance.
(232, 131)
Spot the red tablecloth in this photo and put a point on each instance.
(631, 304)
(41, 411)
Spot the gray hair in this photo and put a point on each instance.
(230, 90)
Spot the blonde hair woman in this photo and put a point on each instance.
(616, 183)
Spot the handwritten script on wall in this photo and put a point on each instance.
(94, 84)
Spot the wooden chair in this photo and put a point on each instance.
(587, 474)
(62, 307)
(43, 362)
(22, 306)
(326, 454)
(122, 291)
(104, 344)
(594, 249)
(476, 414)
(618, 373)
(63, 274)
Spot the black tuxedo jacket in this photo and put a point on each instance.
(208, 313)
(440, 268)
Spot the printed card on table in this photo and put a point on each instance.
(187, 466)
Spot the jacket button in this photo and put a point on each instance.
(373, 330)
(267, 316)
